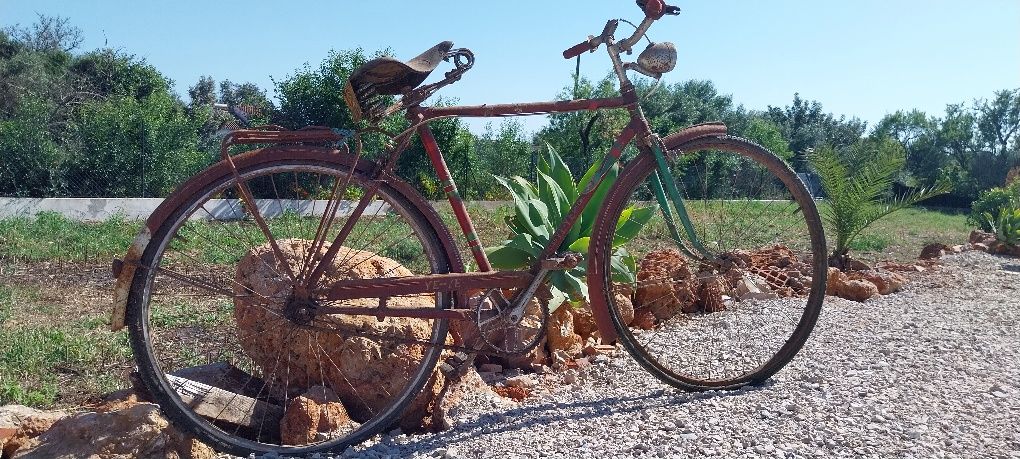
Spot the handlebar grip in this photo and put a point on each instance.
(577, 50)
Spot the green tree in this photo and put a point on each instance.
(807, 126)
(857, 181)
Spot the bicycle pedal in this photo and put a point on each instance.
(460, 357)
(447, 369)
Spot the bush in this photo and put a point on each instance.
(993, 202)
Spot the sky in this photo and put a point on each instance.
(862, 58)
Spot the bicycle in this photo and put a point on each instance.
(303, 248)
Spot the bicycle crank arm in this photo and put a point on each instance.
(565, 262)
(417, 285)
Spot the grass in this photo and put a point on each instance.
(66, 361)
(56, 350)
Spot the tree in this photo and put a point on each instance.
(856, 181)
(583, 137)
(48, 33)
(807, 126)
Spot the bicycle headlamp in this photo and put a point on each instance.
(658, 58)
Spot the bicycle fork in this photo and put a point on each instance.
(670, 194)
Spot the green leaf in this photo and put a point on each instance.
(591, 210)
(580, 245)
(559, 171)
(632, 221)
(624, 266)
(506, 257)
(550, 193)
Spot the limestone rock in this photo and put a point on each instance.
(977, 236)
(625, 307)
(300, 423)
(584, 320)
(933, 251)
(666, 286)
(710, 294)
(644, 319)
(19, 424)
(886, 282)
(135, 431)
(858, 290)
(560, 333)
(362, 371)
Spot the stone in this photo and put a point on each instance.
(933, 251)
(666, 286)
(980, 246)
(490, 368)
(625, 307)
(362, 371)
(333, 416)
(977, 236)
(300, 424)
(584, 320)
(134, 431)
(644, 319)
(858, 290)
(710, 294)
(19, 424)
(886, 282)
(835, 281)
(559, 331)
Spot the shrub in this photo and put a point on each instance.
(993, 202)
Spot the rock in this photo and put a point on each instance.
(978, 236)
(933, 251)
(522, 381)
(490, 368)
(710, 294)
(300, 424)
(19, 424)
(333, 416)
(559, 331)
(835, 281)
(135, 431)
(625, 307)
(584, 320)
(857, 290)
(886, 282)
(666, 285)
(980, 246)
(644, 319)
(362, 371)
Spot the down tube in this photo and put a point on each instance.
(456, 202)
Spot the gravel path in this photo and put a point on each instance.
(929, 372)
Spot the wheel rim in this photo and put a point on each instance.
(220, 295)
(742, 203)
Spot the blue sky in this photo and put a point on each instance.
(863, 58)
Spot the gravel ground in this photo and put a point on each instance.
(927, 372)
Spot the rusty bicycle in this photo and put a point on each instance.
(298, 297)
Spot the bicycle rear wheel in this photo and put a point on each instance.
(736, 310)
(230, 349)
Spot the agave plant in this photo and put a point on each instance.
(1007, 226)
(856, 183)
(540, 207)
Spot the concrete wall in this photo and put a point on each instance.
(98, 209)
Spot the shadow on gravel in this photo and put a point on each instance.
(1011, 268)
(545, 414)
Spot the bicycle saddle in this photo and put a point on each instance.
(389, 76)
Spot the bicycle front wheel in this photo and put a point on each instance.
(728, 297)
(226, 336)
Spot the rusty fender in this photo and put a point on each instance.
(124, 272)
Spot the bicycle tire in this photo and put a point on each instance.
(686, 333)
(165, 246)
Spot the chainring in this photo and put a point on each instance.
(504, 336)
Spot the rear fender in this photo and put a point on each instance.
(124, 270)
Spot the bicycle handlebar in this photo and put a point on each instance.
(654, 10)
